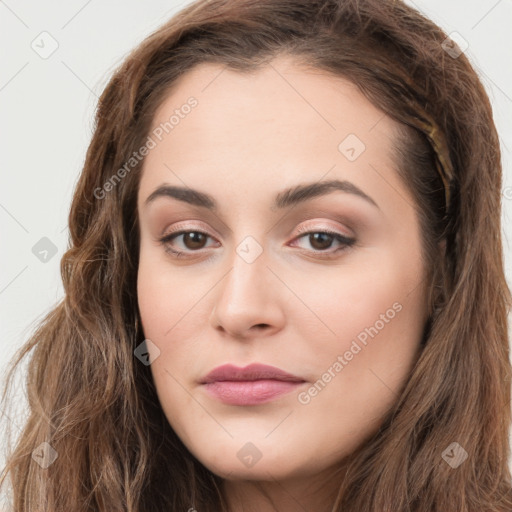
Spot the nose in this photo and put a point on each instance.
(249, 300)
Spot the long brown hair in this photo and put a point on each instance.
(95, 404)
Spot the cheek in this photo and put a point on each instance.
(380, 298)
(156, 303)
(174, 310)
(165, 296)
(368, 337)
(165, 310)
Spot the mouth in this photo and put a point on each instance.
(255, 384)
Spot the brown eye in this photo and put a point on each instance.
(194, 239)
(185, 243)
(320, 241)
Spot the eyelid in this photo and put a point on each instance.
(179, 227)
(314, 227)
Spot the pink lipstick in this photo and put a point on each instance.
(255, 384)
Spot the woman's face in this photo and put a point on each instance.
(303, 253)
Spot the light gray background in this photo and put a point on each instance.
(47, 106)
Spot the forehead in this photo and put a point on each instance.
(278, 125)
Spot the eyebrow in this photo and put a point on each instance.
(284, 199)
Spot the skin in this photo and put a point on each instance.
(249, 138)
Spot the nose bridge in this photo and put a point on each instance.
(249, 263)
(247, 296)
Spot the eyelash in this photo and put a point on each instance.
(302, 232)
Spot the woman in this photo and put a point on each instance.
(284, 288)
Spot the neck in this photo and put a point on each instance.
(317, 493)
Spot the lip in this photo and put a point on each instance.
(251, 385)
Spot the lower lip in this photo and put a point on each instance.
(250, 392)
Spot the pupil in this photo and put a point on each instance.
(325, 240)
(194, 240)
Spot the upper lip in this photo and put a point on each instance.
(255, 371)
